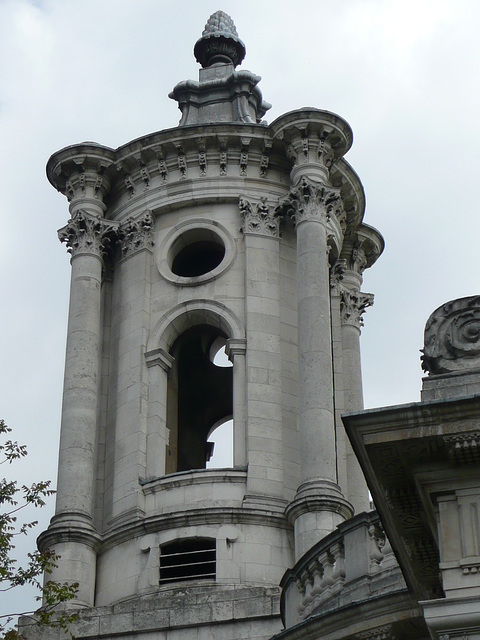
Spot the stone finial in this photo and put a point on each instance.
(452, 337)
(219, 42)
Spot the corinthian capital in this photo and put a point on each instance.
(311, 200)
(259, 218)
(86, 233)
(353, 305)
(137, 234)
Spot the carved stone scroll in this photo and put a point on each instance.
(452, 337)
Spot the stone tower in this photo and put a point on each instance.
(222, 232)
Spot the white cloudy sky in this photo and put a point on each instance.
(403, 73)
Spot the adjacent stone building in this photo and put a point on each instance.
(222, 233)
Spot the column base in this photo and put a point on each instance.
(72, 537)
(317, 509)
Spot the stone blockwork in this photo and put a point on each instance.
(196, 612)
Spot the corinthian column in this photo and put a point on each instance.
(315, 140)
(71, 533)
(319, 505)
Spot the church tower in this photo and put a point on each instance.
(224, 232)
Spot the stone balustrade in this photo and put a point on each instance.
(353, 563)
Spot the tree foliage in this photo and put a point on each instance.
(13, 500)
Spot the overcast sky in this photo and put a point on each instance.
(403, 73)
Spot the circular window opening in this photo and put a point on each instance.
(196, 252)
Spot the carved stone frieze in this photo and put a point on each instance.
(259, 218)
(135, 235)
(379, 633)
(452, 337)
(162, 169)
(223, 161)
(265, 160)
(202, 162)
(145, 175)
(83, 175)
(86, 233)
(353, 305)
(311, 200)
(464, 448)
(182, 164)
(243, 162)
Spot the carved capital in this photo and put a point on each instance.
(136, 235)
(259, 218)
(452, 337)
(310, 200)
(353, 305)
(235, 347)
(337, 274)
(86, 233)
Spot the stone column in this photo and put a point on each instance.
(263, 385)
(235, 350)
(353, 304)
(319, 505)
(72, 533)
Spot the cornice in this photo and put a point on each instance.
(193, 517)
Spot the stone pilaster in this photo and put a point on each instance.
(127, 437)
(263, 386)
(159, 363)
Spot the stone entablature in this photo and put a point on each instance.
(160, 168)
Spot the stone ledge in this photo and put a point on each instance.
(169, 609)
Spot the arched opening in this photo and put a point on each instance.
(200, 398)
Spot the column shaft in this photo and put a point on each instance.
(76, 470)
(316, 419)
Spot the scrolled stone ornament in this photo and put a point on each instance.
(452, 337)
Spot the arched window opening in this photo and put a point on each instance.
(222, 440)
(191, 559)
(200, 398)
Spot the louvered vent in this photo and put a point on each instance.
(193, 559)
